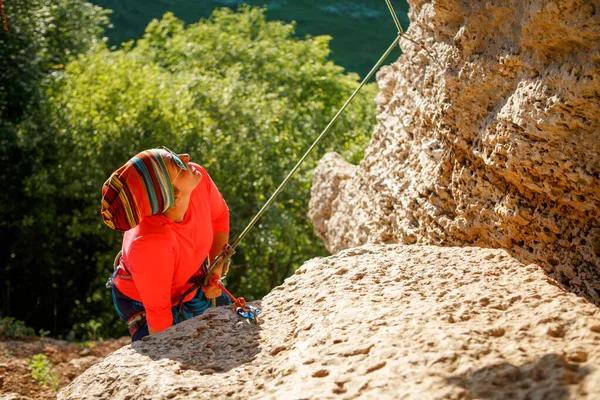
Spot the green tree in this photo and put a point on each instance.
(43, 36)
(238, 93)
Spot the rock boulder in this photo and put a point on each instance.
(491, 139)
(383, 322)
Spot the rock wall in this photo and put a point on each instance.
(375, 322)
(493, 141)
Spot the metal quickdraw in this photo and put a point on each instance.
(241, 308)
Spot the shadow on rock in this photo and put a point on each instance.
(548, 378)
(217, 341)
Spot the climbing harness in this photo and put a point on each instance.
(119, 269)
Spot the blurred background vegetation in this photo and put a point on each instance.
(241, 91)
(361, 30)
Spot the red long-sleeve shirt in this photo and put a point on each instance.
(162, 255)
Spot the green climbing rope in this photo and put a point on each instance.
(403, 34)
(316, 142)
(395, 17)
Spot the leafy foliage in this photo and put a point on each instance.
(41, 371)
(14, 329)
(361, 29)
(240, 94)
(43, 36)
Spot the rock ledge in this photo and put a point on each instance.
(376, 322)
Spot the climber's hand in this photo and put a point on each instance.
(220, 269)
(210, 289)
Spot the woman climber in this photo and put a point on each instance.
(174, 218)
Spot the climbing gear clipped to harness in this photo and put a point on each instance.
(241, 308)
(119, 270)
(223, 259)
(201, 279)
(208, 277)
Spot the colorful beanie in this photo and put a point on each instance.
(140, 188)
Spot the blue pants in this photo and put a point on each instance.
(133, 312)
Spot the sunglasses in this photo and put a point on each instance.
(176, 158)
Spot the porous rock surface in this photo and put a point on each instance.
(376, 322)
(490, 139)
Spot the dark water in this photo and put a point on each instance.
(361, 30)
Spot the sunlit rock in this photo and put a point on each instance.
(491, 138)
(375, 322)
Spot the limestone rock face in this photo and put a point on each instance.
(375, 322)
(491, 139)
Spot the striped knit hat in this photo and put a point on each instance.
(140, 188)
